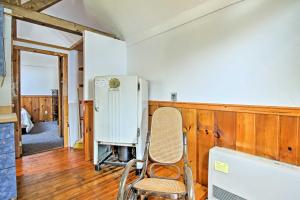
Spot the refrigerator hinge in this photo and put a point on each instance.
(138, 132)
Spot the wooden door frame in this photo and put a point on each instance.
(63, 91)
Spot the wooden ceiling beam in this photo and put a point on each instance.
(50, 21)
(42, 44)
(15, 2)
(39, 5)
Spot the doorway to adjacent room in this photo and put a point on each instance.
(41, 99)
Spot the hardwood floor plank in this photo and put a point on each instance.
(63, 174)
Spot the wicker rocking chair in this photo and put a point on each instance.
(166, 146)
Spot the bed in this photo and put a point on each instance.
(26, 120)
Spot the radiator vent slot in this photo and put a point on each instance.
(221, 194)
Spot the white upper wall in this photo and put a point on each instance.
(102, 56)
(38, 59)
(245, 54)
(5, 90)
(39, 73)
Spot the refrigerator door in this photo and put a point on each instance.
(115, 110)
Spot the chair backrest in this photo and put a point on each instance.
(166, 140)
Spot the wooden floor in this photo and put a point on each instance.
(63, 174)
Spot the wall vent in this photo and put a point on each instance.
(221, 194)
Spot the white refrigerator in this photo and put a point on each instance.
(120, 113)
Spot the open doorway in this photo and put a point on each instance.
(39, 74)
(41, 99)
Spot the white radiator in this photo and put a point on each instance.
(120, 112)
(238, 176)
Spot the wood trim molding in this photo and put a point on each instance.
(63, 109)
(34, 50)
(88, 129)
(42, 44)
(257, 109)
(16, 98)
(77, 45)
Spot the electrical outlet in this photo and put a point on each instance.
(174, 96)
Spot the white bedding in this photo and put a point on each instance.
(26, 121)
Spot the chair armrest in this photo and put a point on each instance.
(122, 186)
(189, 182)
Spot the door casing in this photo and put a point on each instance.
(63, 93)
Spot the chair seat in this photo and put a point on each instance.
(161, 186)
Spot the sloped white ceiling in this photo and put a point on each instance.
(132, 20)
(135, 20)
(121, 17)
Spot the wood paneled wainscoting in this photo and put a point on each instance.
(38, 106)
(266, 131)
(88, 130)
